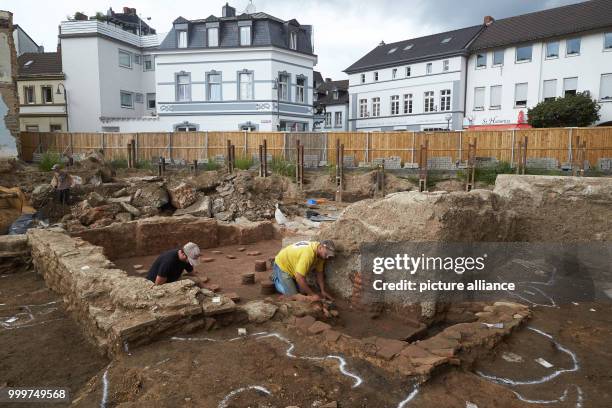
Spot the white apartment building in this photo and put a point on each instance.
(235, 72)
(332, 106)
(517, 62)
(416, 84)
(109, 72)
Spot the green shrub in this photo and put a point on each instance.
(48, 160)
(488, 175)
(120, 163)
(282, 167)
(211, 165)
(243, 163)
(144, 164)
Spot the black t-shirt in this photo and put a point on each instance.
(168, 265)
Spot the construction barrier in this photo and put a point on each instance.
(558, 144)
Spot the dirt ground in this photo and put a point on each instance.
(221, 270)
(41, 344)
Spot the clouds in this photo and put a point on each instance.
(344, 30)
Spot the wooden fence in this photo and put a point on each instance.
(555, 143)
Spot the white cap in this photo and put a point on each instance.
(192, 251)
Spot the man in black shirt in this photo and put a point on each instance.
(169, 266)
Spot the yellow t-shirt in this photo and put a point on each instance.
(300, 258)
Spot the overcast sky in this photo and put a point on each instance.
(344, 30)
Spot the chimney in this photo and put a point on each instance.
(381, 44)
(228, 11)
(327, 79)
(488, 20)
(129, 10)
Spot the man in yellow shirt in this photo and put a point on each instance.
(293, 263)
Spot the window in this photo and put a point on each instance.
(376, 76)
(393, 73)
(363, 108)
(608, 41)
(407, 71)
(245, 35)
(445, 100)
(28, 94)
(187, 127)
(498, 57)
(375, 106)
(408, 47)
(407, 104)
(445, 65)
(549, 89)
(429, 101)
(481, 60)
(114, 129)
(363, 78)
(139, 98)
(496, 97)
(138, 59)
(214, 87)
(182, 39)
(150, 101)
(212, 35)
(125, 59)
(572, 46)
(395, 105)
(605, 90)
(520, 95)
(245, 90)
(327, 119)
(552, 49)
(283, 89)
(147, 63)
(183, 88)
(127, 99)
(338, 119)
(523, 54)
(335, 95)
(479, 98)
(293, 40)
(299, 88)
(428, 68)
(55, 128)
(392, 50)
(569, 86)
(47, 93)
(32, 128)
(446, 40)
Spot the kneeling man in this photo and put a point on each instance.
(169, 266)
(293, 263)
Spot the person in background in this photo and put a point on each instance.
(169, 266)
(62, 182)
(294, 262)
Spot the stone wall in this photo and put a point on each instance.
(157, 234)
(9, 100)
(558, 208)
(14, 254)
(114, 309)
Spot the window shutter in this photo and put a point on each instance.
(479, 97)
(570, 84)
(606, 87)
(496, 95)
(521, 92)
(550, 88)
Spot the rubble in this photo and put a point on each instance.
(259, 311)
(200, 208)
(151, 195)
(182, 195)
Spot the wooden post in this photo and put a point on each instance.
(512, 151)
(261, 161)
(134, 160)
(265, 158)
(367, 147)
(297, 162)
(129, 155)
(246, 144)
(423, 166)
(228, 156)
(206, 145)
(170, 134)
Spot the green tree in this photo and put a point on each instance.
(573, 110)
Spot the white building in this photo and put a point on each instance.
(416, 84)
(332, 106)
(520, 61)
(235, 72)
(109, 70)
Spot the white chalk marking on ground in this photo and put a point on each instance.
(34, 324)
(341, 360)
(562, 398)
(409, 398)
(104, 389)
(165, 360)
(545, 378)
(228, 397)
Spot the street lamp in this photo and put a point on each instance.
(65, 101)
(448, 118)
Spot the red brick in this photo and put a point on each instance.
(253, 253)
(230, 256)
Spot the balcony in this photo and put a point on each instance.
(78, 28)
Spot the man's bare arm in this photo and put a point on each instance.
(159, 280)
(301, 281)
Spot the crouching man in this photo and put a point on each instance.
(294, 262)
(169, 266)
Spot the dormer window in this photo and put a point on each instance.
(392, 50)
(293, 40)
(245, 35)
(182, 39)
(335, 94)
(446, 40)
(409, 46)
(212, 34)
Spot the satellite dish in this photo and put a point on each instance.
(250, 9)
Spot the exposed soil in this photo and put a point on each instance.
(44, 346)
(222, 271)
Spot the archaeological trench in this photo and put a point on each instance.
(127, 343)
